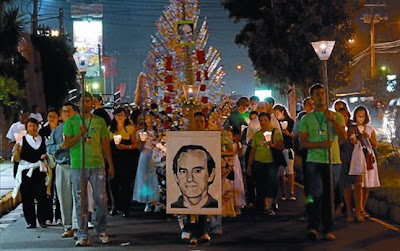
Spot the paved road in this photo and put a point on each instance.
(251, 230)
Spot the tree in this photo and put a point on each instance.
(278, 37)
(58, 67)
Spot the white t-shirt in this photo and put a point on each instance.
(36, 116)
(34, 142)
(15, 128)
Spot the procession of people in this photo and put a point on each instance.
(125, 162)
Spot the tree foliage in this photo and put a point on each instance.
(10, 94)
(278, 36)
(58, 67)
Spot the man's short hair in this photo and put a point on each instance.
(86, 95)
(253, 112)
(187, 148)
(315, 87)
(270, 100)
(71, 104)
(242, 100)
(98, 97)
(266, 114)
(254, 98)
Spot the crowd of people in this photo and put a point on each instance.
(125, 161)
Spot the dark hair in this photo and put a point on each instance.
(253, 112)
(23, 111)
(200, 114)
(113, 125)
(361, 108)
(134, 115)
(254, 98)
(53, 110)
(31, 120)
(266, 114)
(71, 104)
(34, 107)
(86, 95)
(315, 87)
(338, 102)
(98, 97)
(185, 149)
(282, 109)
(241, 101)
(270, 100)
(153, 106)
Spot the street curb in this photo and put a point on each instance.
(7, 203)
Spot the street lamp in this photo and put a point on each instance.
(82, 64)
(324, 50)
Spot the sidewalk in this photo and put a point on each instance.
(6, 186)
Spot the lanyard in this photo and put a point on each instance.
(320, 122)
(88, 127)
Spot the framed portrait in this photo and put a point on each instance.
(186, 32)
(194, 172)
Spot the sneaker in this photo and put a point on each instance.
(312, 234)
(104, 238)
(329, 237)
(75, 234)
(270, 212)
(113, 212)
(193, 242)
(59, 222)
(157, 209)
(292, 197)
(365, 214)
(283, 197)
(147, 209)
(49, 223)
(185, 236)
(67, 233)
(90, 225)
(205, 238)
(82, 242)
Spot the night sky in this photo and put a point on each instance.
(128, 25)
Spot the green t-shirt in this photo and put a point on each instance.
(97, 129)
(263, 152)
(314, 124)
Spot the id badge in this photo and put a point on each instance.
(321, 132)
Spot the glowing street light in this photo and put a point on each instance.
(324, 49)
(95, 86)
(239, 67)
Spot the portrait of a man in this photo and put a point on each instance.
(186, 32)
(194, 171)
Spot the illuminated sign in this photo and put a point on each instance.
(88, 35)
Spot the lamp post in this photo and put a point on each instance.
(82, 64)
(324, 49)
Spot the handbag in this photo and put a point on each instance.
(358, 161)
(369, 157)
(277, 154)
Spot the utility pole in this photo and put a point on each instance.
(100, 64)
(62, 22)
(35, 17)
(372, 18)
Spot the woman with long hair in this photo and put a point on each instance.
(146, 183)
(286, 124)
(123, 146)
(365, 133)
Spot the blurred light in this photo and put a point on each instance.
(95, 85)
(55, 33)
(262, 94)
(351, 41)
(239, 67)
(383, 68)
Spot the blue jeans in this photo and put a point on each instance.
(318, 191)
(97, 179)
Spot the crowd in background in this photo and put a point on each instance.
(259, 144)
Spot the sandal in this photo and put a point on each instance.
(360, 218)
(349, 219)
(364, 214)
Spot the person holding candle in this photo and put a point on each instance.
(123, 145)
(261, 159)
